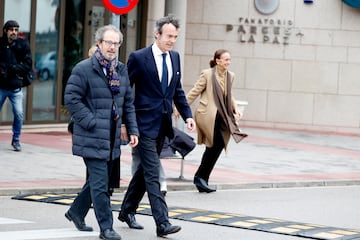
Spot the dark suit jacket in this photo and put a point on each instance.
(150, 102)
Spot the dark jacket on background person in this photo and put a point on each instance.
(15, 62)
(89, 99)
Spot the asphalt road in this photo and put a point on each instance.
(335, 207)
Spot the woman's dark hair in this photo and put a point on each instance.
(217, 55)
(166, 20)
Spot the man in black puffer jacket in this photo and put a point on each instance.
(15, 63)
(100, 99)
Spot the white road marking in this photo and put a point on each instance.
(45, 234)
(12, 221)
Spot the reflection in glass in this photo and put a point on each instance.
(46, 45)
(73, 42)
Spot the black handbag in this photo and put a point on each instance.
(28, 78)
(71, 125)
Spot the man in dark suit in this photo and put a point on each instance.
(155, 75)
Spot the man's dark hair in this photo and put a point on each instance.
(10, 24)
(165, 20)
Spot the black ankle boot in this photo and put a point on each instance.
(202, 185)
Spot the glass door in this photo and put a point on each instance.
(45, 62)
(19, 11)
(73, 48)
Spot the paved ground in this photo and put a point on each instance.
(323, 213)
(267, 158)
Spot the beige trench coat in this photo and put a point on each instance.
(205, 112)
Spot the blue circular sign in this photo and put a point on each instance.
(120, 6)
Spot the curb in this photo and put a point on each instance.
(190, 187)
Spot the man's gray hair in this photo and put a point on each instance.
(99, 35)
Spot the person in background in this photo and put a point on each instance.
(155, 74)
(99, 97)
(15, 63)
(215, 114)
(92, 50)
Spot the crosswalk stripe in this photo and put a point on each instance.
(45, 234)
(12, 221)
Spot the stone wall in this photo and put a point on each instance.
(297, 68)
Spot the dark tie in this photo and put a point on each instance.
(164, 77)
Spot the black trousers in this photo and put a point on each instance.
(95, 192)
(211, 154)
(146, 179)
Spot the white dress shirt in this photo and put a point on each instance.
(159, 59)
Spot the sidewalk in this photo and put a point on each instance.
(267, 158)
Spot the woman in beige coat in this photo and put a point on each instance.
(215, 114)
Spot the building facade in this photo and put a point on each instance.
(60, 33)
(296, 62)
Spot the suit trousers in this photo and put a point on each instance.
(146, 178)
(211, 154)
(162, 176)
(95, 190)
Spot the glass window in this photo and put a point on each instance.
(73, 39)
(20, 12)
(46, 45)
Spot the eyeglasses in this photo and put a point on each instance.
(110, 43)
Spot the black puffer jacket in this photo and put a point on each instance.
(15, 62)
(89, 100)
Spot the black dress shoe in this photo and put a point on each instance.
(166, 228)
(202, 185)
(109, 234)
(164, 193)
(79, 223)
(130, 220)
